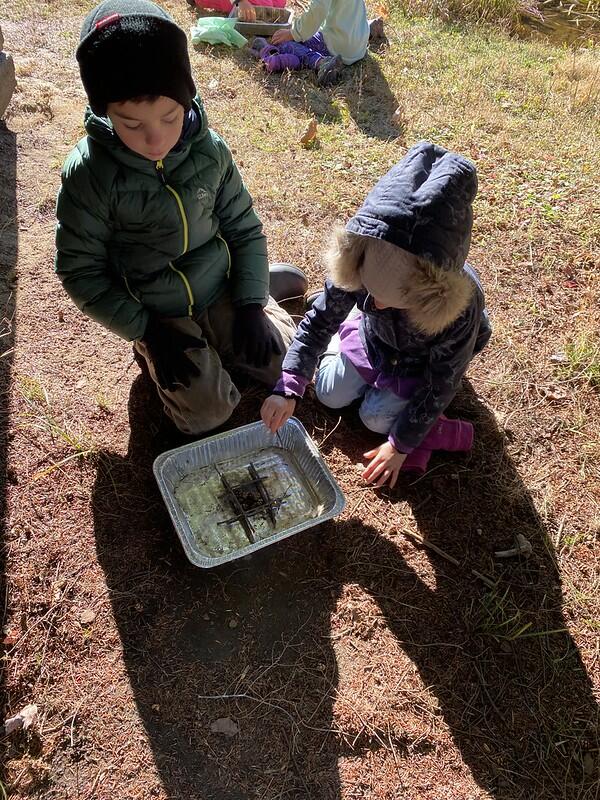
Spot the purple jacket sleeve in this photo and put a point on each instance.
(314, 333)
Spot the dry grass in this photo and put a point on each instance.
(360, 664)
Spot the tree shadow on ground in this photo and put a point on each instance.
(363, 93)
(8, 262)
(252, 641)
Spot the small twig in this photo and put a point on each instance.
(433, 547)
(331, 432)
(73, 730)
(484, 578)
(101, 773)
(262, 490)
(394, 754)
(238, 508)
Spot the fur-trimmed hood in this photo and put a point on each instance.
(432, 297)
(423, 206)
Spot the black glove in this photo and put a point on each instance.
(167, 347)
(253, 336)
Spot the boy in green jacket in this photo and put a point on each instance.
(157, 238)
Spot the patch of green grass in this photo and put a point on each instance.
(33, 391)
(499, 618)
(103, 402)
(39, 416)
(583, 359)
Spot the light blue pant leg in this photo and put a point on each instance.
(380, 408)
(337, 383)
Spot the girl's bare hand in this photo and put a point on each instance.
(279, 37)
(276, 411)
(246, 12)
(384, 465)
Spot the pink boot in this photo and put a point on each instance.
(416, 461)
(454, 435)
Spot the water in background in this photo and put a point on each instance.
(571, 23)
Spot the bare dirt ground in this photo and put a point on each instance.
(354, 662)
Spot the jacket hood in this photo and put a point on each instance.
(433, 297)
(100, 130)
(423, 205)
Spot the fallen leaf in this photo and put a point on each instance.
(226, 726)
(310, 134)
(559, 358)
(398, 117)
(21, 721)
(557, 395)
(87, 617)
(589, 765)
(10, 638)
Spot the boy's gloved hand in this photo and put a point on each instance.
(253, 336)
(167, 347)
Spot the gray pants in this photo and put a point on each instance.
(212, 396)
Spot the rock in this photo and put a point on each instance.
(226, 726)
(21, 721)
(87, 617)
(8, 81)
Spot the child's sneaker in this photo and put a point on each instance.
(258, 44)
(376, 29)
(329, 70)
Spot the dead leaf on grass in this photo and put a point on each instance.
(589, 765)
(21, 721)
(556, 395)
(87, 617)
(559, 358)
(226, 726)
(381, 10)
(310, 134)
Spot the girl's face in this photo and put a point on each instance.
(150, 129)
(386, 273)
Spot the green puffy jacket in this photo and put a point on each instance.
(133, 239)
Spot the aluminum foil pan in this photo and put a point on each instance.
(268, 21)
(234, 493)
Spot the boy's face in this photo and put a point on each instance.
(150, 129)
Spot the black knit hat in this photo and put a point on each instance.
(132, 48)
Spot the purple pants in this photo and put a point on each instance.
(295, 55)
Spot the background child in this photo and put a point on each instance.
(330, 34)
(245, 8)
(157, 238)
(419, 316)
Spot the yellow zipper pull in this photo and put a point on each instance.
(161, 172)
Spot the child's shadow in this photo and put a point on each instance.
(362, 94)
(253, 643)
